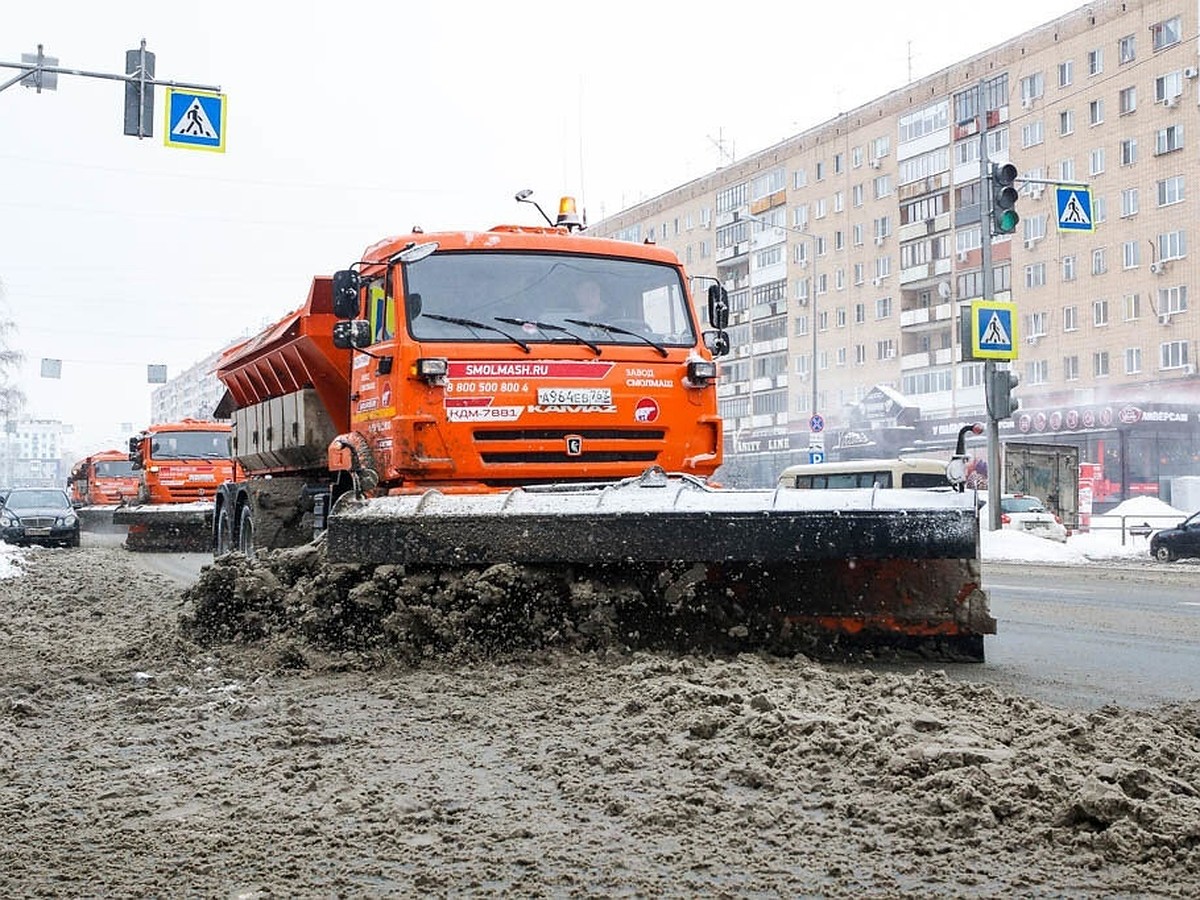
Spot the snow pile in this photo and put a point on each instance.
(1010, 545)
(11, 558)
(1135, 512)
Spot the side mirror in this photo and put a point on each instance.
(346, 285)
(717, 342)
(718, 306)
(352, 334)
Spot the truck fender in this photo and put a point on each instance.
(350, 452)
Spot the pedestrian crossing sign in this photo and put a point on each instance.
(195, 120)
(1074, 205)
(993, 329)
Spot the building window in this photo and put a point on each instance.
(1126, 50)
(860, 313)
(1099, 209)
(1165, 33)
(1131, 254)
(800, 217)
(1033, 133)
(1070, 318)
(800, 179)
(860, 354)
(1172, 300)
(1095, 62)
(1133, 360)
(859, 269)
(819, 209)
(1127, 101)
(1035, 275)
(1035, 228)
(1096, 112)
(1064, 73)
(1172, 245)
(1099, 261)
(1099, 313)
(1032, 87)
(1100, 364)
(837, 163)
(1071, 368)
(856, 157)
(801, 326)
(857, 234)
(1068, 268)
(1173, 355)
(1038, 371)
(1066, 170)
(1168, 140)
(821, 170)
(1096, 159)
(1037, 324)
(839, 201)
(1066, 122)
(1168, 87)
(1129, 151)
(1129, 202)
(856, 195)
(1133, 307)
(883, 186)
(885, 349)
(883, 307)
(1170, 190)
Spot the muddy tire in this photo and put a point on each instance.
(224, 536)
(1164, 554)
(246, 532)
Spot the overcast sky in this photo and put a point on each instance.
(351, 121)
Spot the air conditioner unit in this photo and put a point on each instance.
(877, 281)
(1033, 338)
(962, 255)
(1171, 102)
(1191, 72)
(803, 264)
(1026, 102)
(1035, 191)
(1164, 319)
(1029, 242)
(1189, 369)
(1156, 268)
(874, 163)
(879, 239)
(889, 354)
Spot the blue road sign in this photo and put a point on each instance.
(816, 456)
(993, 329)
(195, 120)
(816, 423)
(1074, 207)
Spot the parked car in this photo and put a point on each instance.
(1176, 543)
(39, 516)
(1027, 513)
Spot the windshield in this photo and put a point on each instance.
(543, 297)
(190, 445)
(1021, 505)
(18, 500)
(116, 468)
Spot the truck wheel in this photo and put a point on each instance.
(1164, 554)
(246, 532)
(224, 541)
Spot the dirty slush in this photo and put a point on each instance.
(291, 728)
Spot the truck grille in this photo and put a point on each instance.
(639, 445)
(37, 521)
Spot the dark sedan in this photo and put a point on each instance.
(1176, 543)
(39, 516)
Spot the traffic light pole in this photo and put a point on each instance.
(989, 365)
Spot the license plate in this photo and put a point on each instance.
(208, 477)
(563, 396)
(37, 532)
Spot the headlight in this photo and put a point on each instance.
(68, 520)
(8, 520)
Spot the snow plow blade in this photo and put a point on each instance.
(166, 528)
(789, 570)
(98, 519)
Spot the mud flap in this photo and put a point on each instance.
(796, 567)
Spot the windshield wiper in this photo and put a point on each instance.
(471, 323)
(617, 329)
(547, 326)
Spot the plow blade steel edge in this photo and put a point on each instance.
(891, 562)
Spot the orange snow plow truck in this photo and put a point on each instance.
(179, 466)
(538, 397)
(98, 484)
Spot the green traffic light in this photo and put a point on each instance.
(1006, 221)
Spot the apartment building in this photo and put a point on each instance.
(851, 250)
(192, 394)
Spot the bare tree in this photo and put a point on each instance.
(12, 398)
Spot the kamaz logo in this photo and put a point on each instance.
(574, 444)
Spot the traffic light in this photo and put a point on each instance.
(1004, 199)
(1000, 400)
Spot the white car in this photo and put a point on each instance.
(1028, 514)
